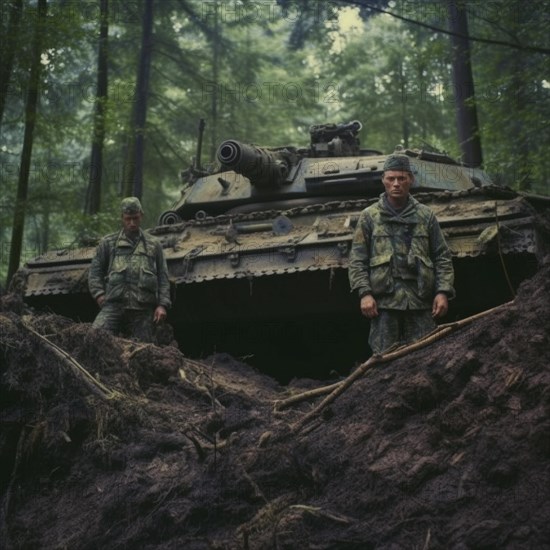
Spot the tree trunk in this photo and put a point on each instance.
(134, 164)
(466, 111)
(215, 79)
(26, 153)
(93, 198)
(8, 45)
(404, 118)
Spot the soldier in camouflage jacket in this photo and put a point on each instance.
(400, 264)
(129, 279)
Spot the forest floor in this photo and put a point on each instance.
(107, 443)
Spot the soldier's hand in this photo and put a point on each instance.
(100, 300)
(368, 306)
(160, 314)
(440, 305)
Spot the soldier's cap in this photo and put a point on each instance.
(398, 163)
(131, 205)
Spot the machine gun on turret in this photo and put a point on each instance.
(335, 140)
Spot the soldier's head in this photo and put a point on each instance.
(132, 214)
(397, 178)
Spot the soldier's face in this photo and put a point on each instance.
(131, 222)
(397, 184)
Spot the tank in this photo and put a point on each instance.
(258, 247)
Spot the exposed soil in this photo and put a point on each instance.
(447, 447)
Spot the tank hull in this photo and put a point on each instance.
(272, 285)
(258, 249)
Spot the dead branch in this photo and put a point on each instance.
(342, 387)
(337, 389)
(6, 504)
(94, 385)
(280, 404)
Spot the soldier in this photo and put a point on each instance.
(129, 279)
(400, 264)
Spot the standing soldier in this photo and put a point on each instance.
(129, 279)
(400, 264)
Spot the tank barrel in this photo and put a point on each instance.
(230, 153)
(264, 168)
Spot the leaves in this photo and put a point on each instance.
(261, 72)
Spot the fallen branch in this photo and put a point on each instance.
(6, 504)
(282, 404)
(320, 513)
(341, 388)
(338, 388)
(94, 385)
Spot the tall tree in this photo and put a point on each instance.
(465, 100)
(8, 46)
(26, 153)
(93, 198)
(216, 43)
(514, 104)
(134, 165)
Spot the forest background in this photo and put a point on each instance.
(101, 99)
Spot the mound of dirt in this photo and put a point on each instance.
(107, 443)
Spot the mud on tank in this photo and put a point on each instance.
(257, 249)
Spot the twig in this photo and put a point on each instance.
(6, 505)
(499, 246)
(428, 540)
(303, 509)
(95, 386)
(136, 350)
(319, 512)
(340, 387)
(283, 403)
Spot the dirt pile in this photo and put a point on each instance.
(447, 447)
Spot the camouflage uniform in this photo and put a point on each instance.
(133, 276)
(402, 259)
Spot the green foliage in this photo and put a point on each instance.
(263, 73)
(513, 91)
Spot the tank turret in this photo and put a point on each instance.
(333, 167)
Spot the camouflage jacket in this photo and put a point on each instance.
(401, 258)
(132, 274)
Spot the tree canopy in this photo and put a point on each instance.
(258, 71)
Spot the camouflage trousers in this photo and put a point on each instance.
(398, 327)
(133, 323)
